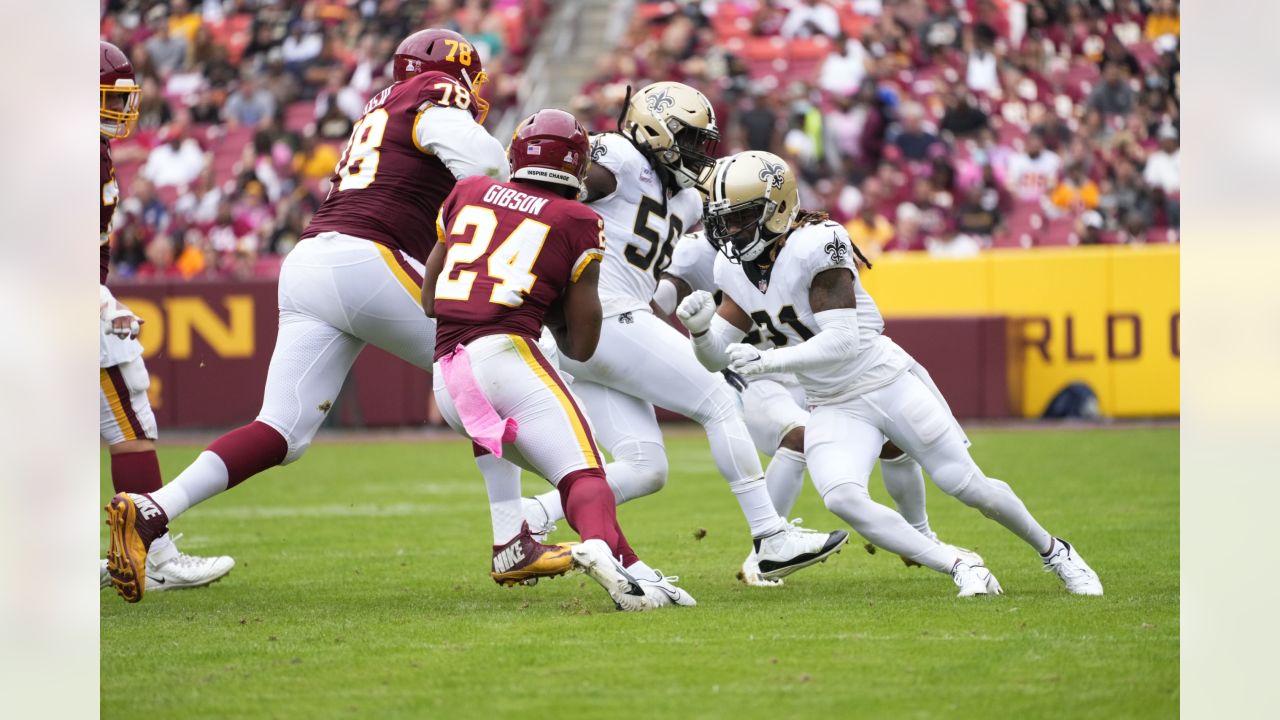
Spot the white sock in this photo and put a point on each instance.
(502, 481)
(905, 482)
(550, 502)
(641, 571)
(162, 550)
(202, 479)
(757, 506)
(886, 528)
(785, 479)
(739, 463)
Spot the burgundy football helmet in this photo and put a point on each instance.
(118, 93)
(443, 51)
(550, 146)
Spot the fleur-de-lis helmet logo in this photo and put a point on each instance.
(660, 101)
(773, 173)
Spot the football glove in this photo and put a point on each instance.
(747, 360)
(117, 319)
(696, 310)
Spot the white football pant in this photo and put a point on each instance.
(338, 293)
(842, 442)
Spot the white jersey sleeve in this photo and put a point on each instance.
(641, 224)
(694, 261)
(460, 142)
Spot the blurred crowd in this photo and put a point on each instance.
(945, 126)
(246, 106)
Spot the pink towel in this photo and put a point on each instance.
(478, 417)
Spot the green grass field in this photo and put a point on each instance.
(361, 590)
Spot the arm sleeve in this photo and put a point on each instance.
(836, 342)
(693, 261)
(452, 135)
(710, 345)
(105, 260)
(665, 296)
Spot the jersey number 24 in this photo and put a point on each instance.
(510, 265)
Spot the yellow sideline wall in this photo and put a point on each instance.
(1106, 316)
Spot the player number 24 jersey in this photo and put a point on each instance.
(511, 251)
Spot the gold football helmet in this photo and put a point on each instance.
(752, 200)
(677, 125)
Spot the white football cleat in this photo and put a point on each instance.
(186, 571)
(1074, 572)
(965, 555)
(540, 525)
(597, 561)
(104, 581)
(659, 588)
(974, 580)
(794, 548)
(751, 573)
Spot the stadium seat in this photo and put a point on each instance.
(1059, 232)
(1021, 228)
(298, 114)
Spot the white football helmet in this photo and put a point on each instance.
(677, 125)
(752, 200)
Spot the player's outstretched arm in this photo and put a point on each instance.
(712, 329)
(582, 316)
(431, 271)
(831, 295)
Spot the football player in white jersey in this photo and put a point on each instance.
(798, 269)
(775, 411)
(643, 184)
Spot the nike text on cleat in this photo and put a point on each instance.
(794, 548)
(134, 521)
(187, 571)
(750, 573)
(660, 589)
(1074, 572)
(597, 561)
(974, 580)
(524, 560)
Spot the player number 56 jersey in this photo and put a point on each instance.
(783, 316)
(641, 225)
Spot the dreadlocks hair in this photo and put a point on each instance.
(809, 217)
(817, 217)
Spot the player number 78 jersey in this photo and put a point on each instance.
(641, 225)
(783, 316)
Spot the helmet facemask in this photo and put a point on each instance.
(738, 231)
(476, 83)
(118, 108)
(689, 156)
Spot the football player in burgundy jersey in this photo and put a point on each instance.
(508, 253)
(125, 420)
(353, 280)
